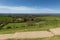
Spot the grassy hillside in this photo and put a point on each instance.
(2, 18)
(28, 23)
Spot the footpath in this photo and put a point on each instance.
(32, 34)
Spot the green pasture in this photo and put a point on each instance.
(45, 23)
(39, 26)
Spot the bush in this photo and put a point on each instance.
(31, 23)
(8, 27)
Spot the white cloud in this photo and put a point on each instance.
(23, 9)
(17, 8)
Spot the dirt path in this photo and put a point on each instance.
(35, 34)
(32, 34)
(55, 31)
(5, 36)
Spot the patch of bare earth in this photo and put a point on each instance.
(5, 36)
(55, 31)
(33, 34)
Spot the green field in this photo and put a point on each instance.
(11, 24)
(6, 18)
(37, 24)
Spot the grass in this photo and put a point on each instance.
(18, 27)
(2, 18)
(50, 17)
(51, 38)
(50, 22)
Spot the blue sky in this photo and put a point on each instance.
(29, 6)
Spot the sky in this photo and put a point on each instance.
(29, 6)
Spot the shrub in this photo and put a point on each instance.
(8, 27)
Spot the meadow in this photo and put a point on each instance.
(12, 24)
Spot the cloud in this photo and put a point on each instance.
(17, 8)
(24, 9)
